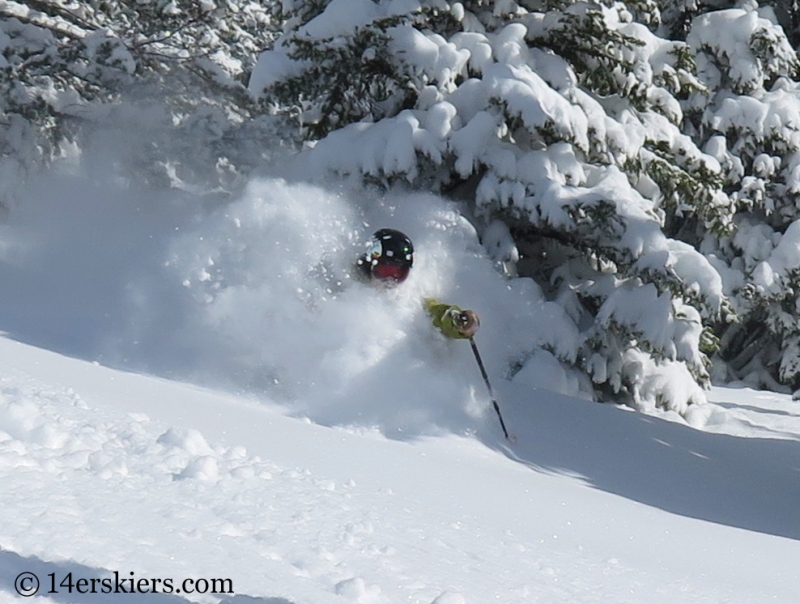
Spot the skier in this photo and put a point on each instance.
(388, 261)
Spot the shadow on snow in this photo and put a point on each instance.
(748, 483)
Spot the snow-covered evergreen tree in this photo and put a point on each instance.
(749, 122)
(562, 119)
(65, 65)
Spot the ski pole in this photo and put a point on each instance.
(488, 385)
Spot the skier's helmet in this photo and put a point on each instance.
(389, 256)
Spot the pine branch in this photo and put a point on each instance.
(57, 10)
(14, 10)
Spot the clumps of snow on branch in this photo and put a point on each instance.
(732, 40)
(772, 275)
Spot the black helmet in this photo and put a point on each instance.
(389, 256)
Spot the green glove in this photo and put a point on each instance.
(452, 321)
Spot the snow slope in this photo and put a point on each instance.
(108, 471)
(337, 450)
